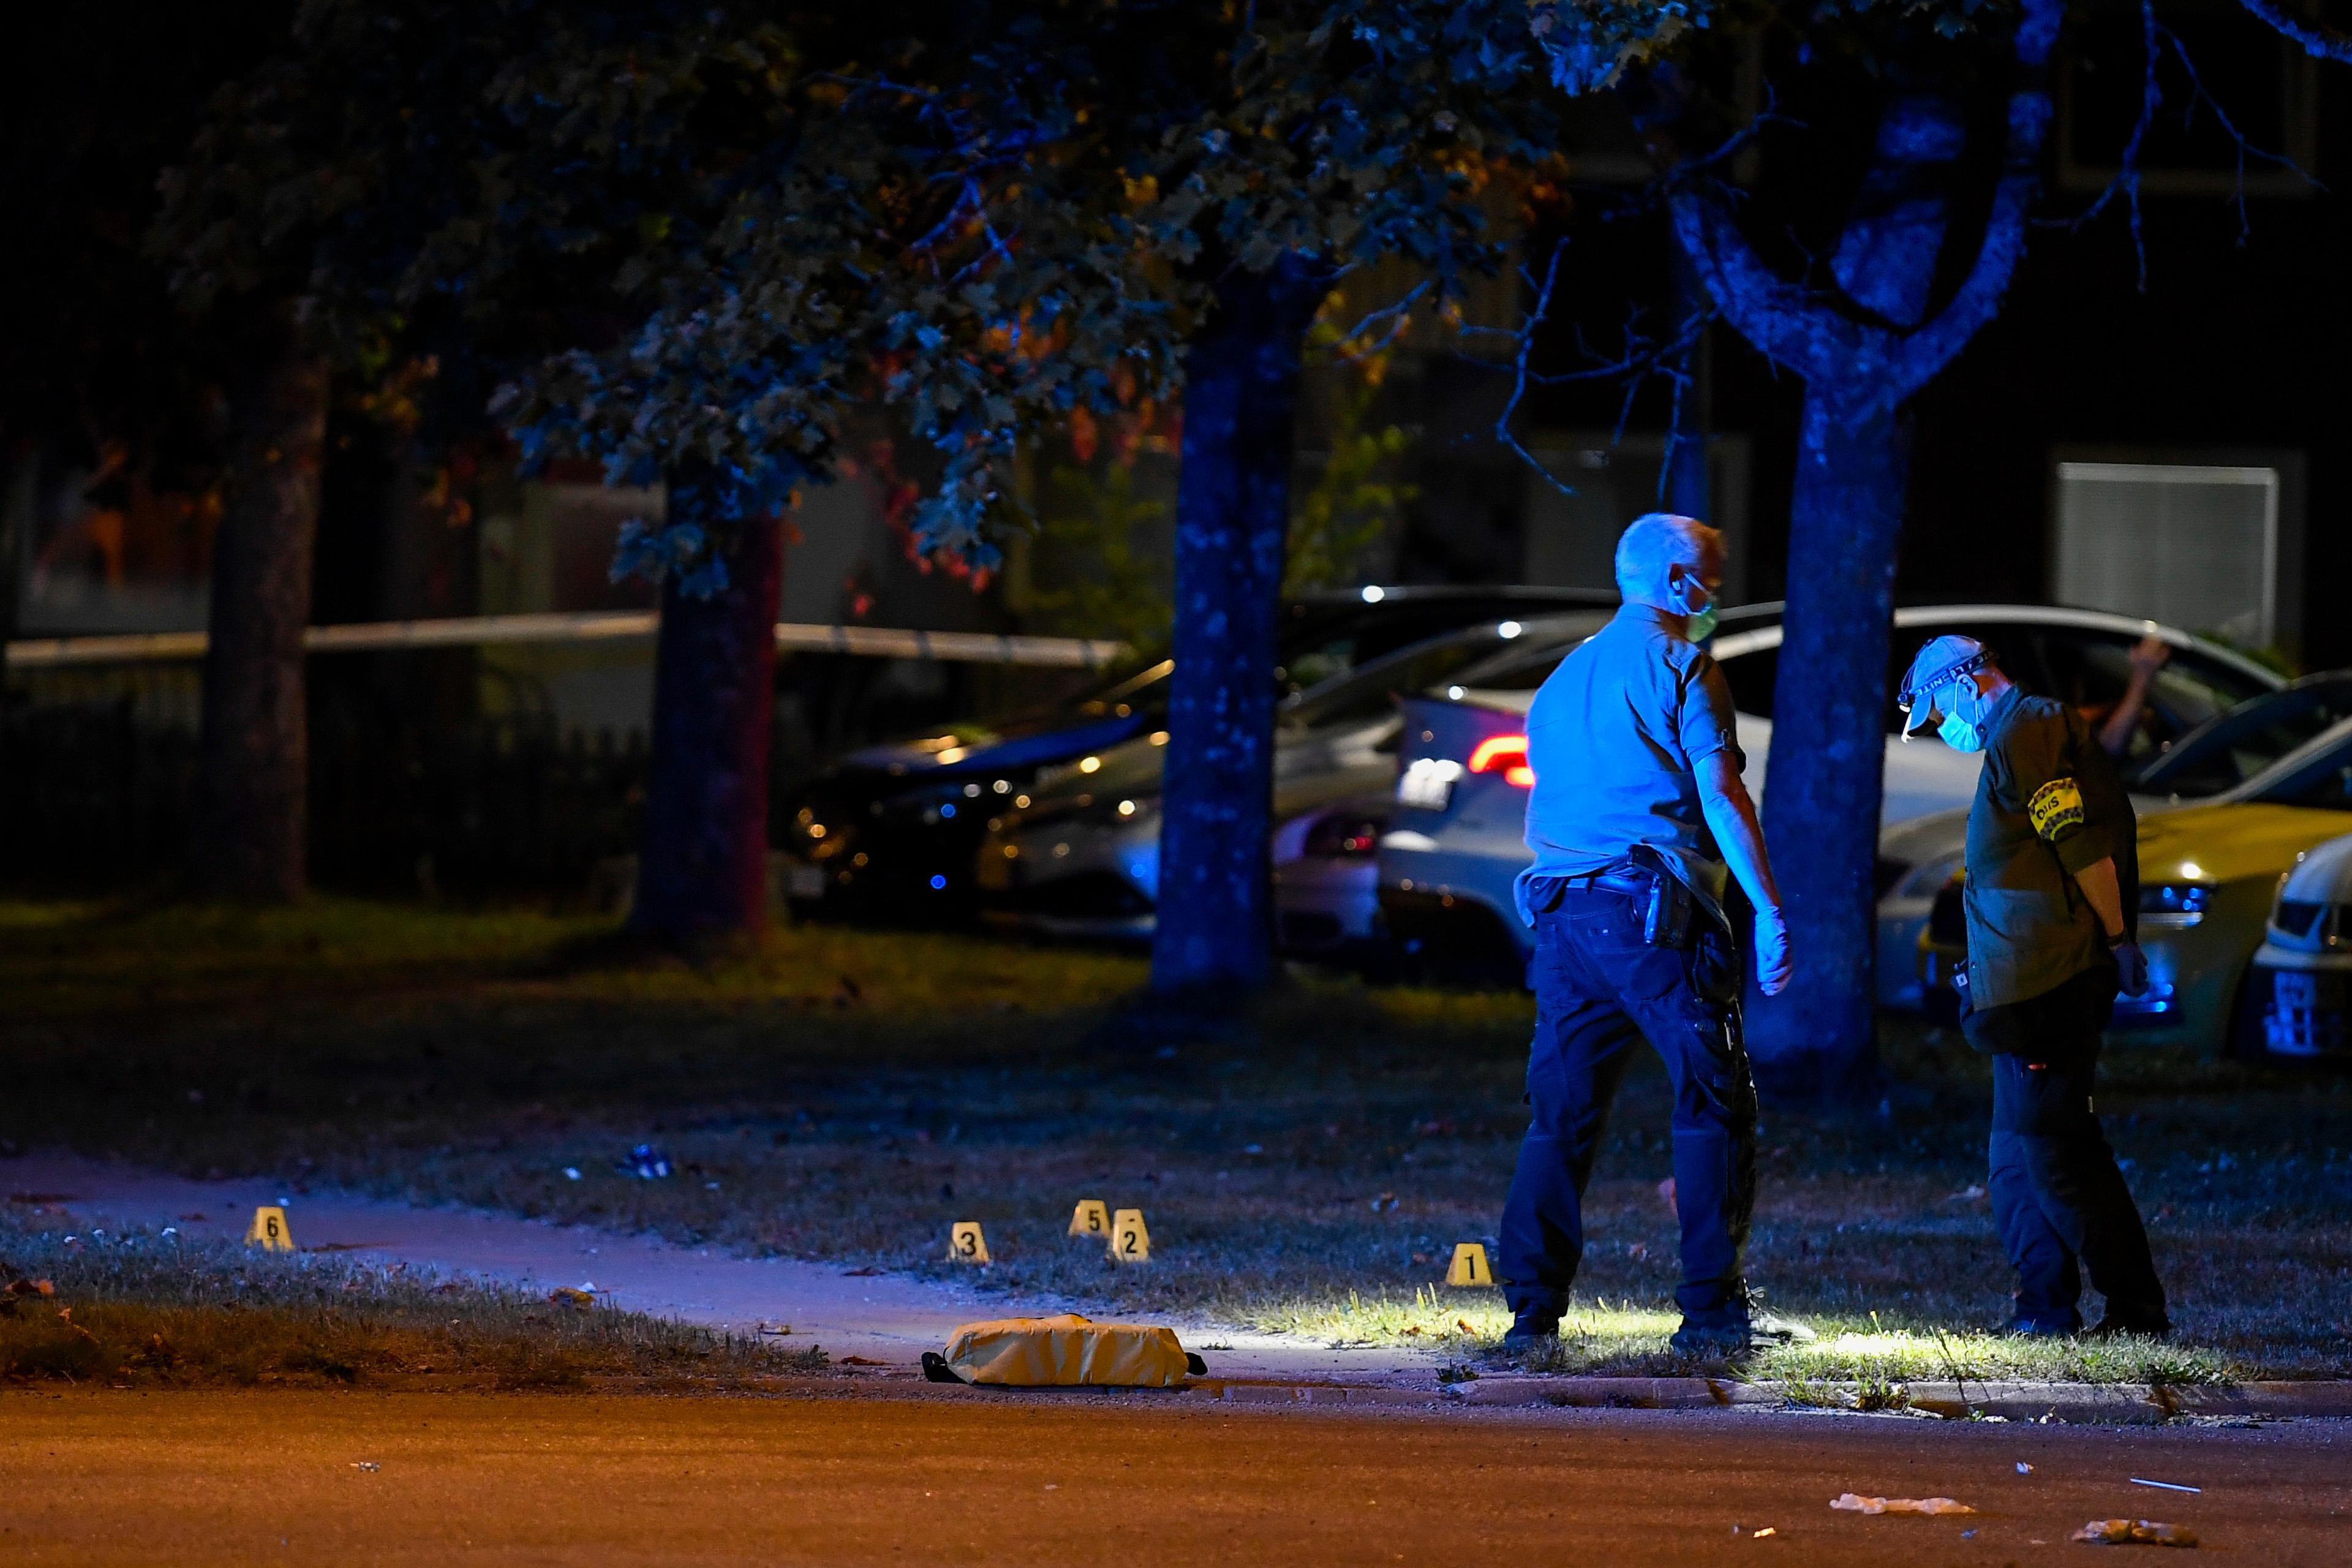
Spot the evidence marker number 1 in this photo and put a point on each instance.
(1469, 1266)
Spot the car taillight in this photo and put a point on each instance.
(1506, 755)
(1344, 837)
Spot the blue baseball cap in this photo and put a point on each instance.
(1943, 660)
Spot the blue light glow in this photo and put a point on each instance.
(938, 882)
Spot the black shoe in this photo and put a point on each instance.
(2111, 1326)
(1533, 1332)
(2038, 1329)
(1752, 1335)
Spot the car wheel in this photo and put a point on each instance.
(2247, 1041)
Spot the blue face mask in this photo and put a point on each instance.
(1960, 734)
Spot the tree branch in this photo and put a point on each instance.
(2320, 43)
(1782, 319)
(1922, 354)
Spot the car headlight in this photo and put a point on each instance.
(1119, 811)
(2174, 904)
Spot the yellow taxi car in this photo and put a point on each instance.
(2208, 874)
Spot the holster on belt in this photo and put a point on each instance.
(1666, 912)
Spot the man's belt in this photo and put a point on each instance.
(1613, 879)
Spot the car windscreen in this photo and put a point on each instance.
(1314, 643)
(2322, 780)
(1369, 691)
(1514, 670)
(2230, 748)
(1320, 640)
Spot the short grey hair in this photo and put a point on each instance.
(1657, 541)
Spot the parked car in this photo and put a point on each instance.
(2209, 872)
(2217, 759)
(1457, 841)
(891, 830)
(1080, 856)
(2297, 988)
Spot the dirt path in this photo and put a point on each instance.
(885, 1318)
(98, 1477)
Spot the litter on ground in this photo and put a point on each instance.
(1854, 1502)
(2134, 1532)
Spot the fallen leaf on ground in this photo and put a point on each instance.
(31, 1287)
(2134, 1532)
(1854, 1502)
(565, 1296)
(860, 1361)
(859, 1273)
(1666, 1191)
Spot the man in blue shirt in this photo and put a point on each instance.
(1636, 809)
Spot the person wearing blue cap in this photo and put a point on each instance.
(2052, 895)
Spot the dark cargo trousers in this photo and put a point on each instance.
(2058, 1197)
(1599, 990)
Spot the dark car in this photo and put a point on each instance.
(891, 830)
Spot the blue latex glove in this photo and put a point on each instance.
(1772, 970)
(2131, 967)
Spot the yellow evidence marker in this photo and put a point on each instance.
(1091, 1218)
(268, 1230)
(1130, 1242)
(965, 1244)
(1469, 1266)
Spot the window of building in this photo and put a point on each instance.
(2267, 86)
(2196, 546)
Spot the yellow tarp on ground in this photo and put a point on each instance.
(1067, 1352)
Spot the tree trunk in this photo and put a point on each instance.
(254, 755)
(1215, 925)
(702, 871)
(1828, 736)
(1687, 470)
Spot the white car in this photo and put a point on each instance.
(2302, 975)
(1458, 842)
(1078, 854)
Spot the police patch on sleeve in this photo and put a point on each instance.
(2056, 809)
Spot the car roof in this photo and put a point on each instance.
(1438, 592)
(1740, 634)
(1730, 644)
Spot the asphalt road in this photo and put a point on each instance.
(97, 1478)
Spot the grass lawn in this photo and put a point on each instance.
(151, 1309)
(849, 1094)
